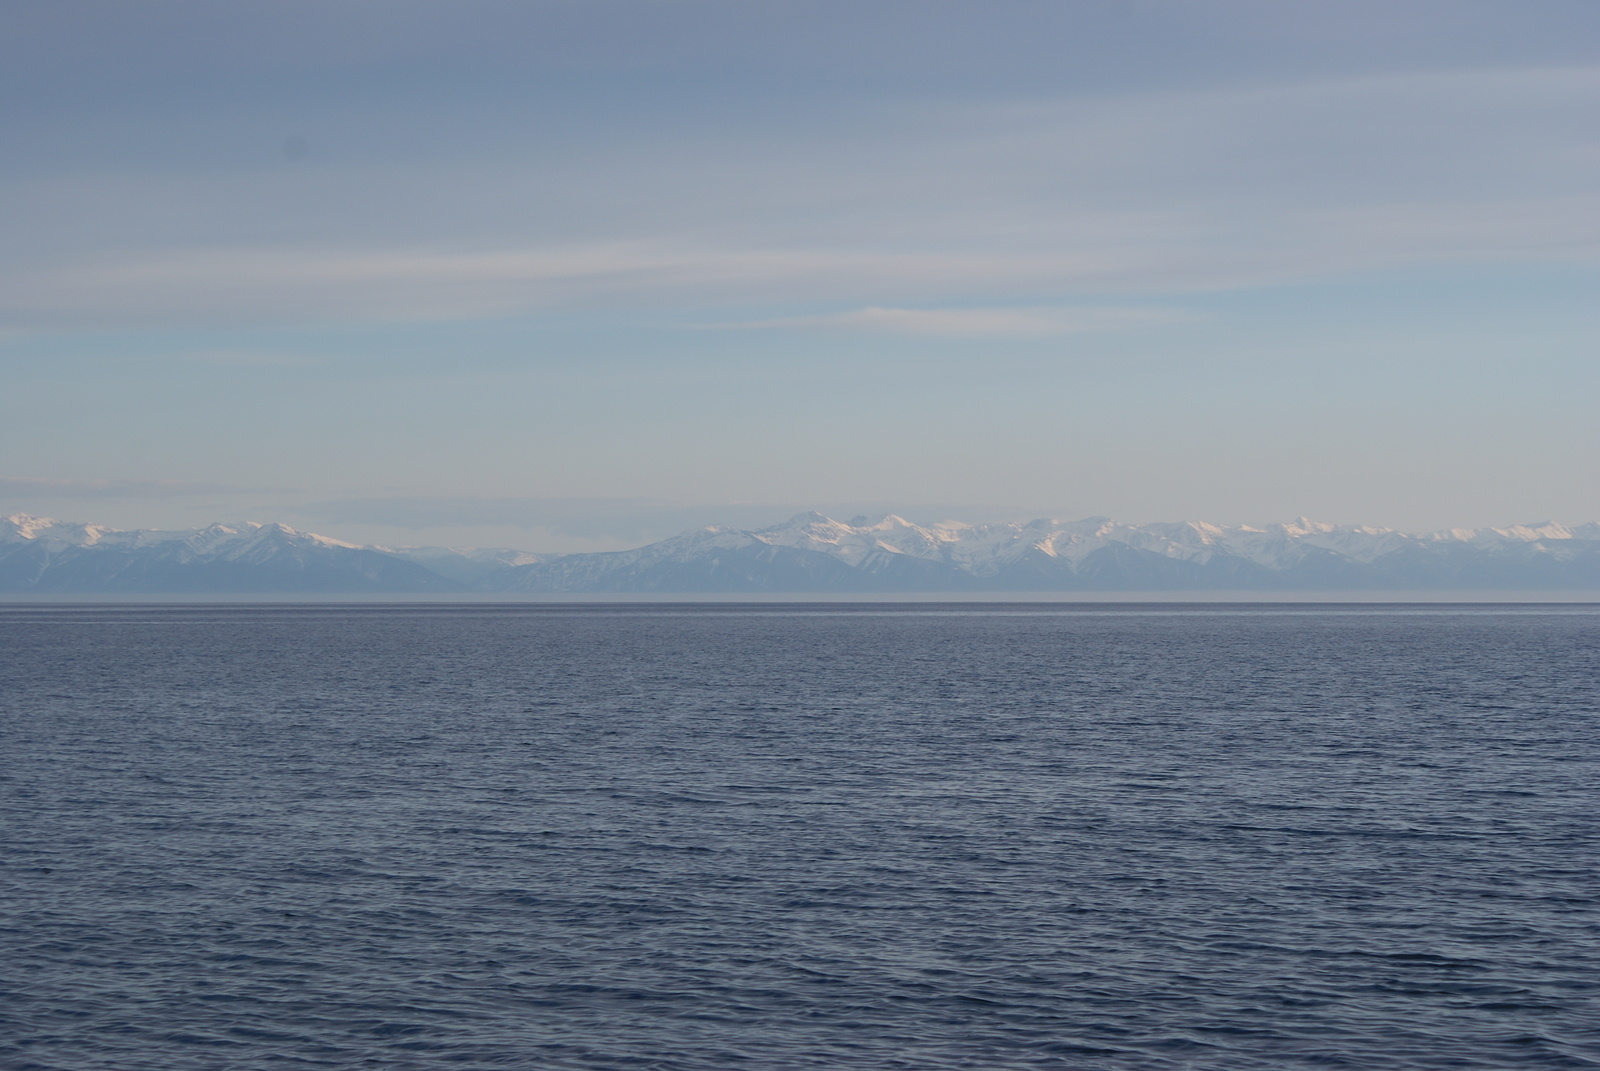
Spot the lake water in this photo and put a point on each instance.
(921, 837)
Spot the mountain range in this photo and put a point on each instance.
(811, 553)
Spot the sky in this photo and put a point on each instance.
(577, 275)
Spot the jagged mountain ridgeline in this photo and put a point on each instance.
(38, 554)
(811, 553)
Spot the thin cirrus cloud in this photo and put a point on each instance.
(244, 358)
(969, 322)
(970, 204)
(317, 284)
(421, 284)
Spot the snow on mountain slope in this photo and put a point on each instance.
(216, 538)
(982, 548)
(22, 527)
(811, 552)
(854, 544)
(42, 554)
(1275, 546)
(1097, 553)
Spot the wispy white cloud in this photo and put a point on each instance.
(970, 322)
(273, 284)
(247, 358)
(912, 207)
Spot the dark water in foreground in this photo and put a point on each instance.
(1040, 837)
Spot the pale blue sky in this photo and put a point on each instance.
(574, 275)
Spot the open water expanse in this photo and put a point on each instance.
(921, 837)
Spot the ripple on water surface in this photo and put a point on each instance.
(679, 838)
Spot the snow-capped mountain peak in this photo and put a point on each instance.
(44, 554)
(24, 526)
(813, 552)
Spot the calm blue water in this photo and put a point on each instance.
(781, 837)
